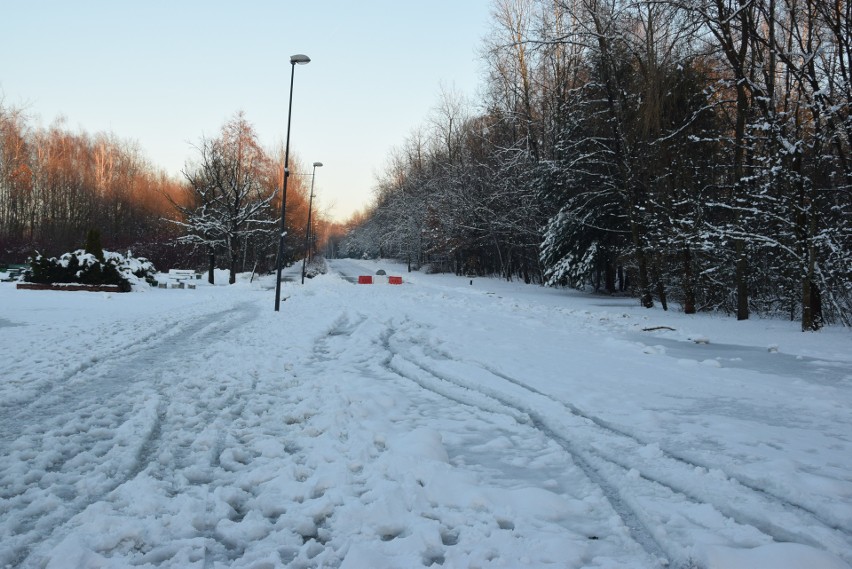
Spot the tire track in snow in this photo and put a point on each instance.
(103, 385)
(669, 454)
(79, 385)
(340, 335)
(637, 529)
(342, 327)
(731, 509)
(744, 500)
(55, 389)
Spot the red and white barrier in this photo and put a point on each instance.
(368, 279)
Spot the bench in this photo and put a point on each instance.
(12, 272)
(177, 278)
(182, 274)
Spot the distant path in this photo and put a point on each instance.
(349, 269)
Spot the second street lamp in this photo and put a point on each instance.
(308, 227)
(301, 59)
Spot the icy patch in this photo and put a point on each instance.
(775, 555)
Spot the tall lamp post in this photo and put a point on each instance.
(301, 60)
(308, 228)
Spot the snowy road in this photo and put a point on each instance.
(437, 422)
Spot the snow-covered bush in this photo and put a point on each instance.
(83, 267)
(317, 266)
(136, 270)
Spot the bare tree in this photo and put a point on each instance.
(232, 190)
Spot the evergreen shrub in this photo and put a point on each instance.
(82, 267)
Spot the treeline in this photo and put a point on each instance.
(56, 185)
(690, 151)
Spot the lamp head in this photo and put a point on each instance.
(317, 164)
(299, 58)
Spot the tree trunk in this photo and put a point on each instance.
(688, 283)
(234, 259)
(741, 281)
(741, 269)
(811, 307)
(609, 277)
(661, 292)
(211, 266)
(642, 260)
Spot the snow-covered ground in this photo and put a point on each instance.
(436, 423)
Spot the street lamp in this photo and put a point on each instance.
(301, 60)
(308, 228)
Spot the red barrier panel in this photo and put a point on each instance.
(365, 279)
(394, 280)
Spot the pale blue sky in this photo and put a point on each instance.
(166, 72)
